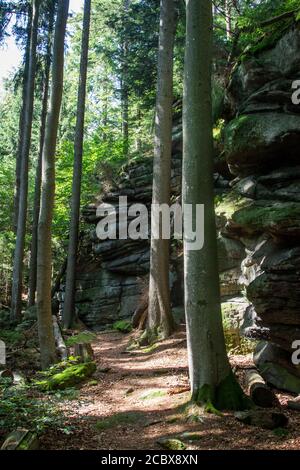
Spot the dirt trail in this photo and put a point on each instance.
(132, 404)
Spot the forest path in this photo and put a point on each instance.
(130, 403)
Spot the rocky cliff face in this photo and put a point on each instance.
(262, 144)
(112, 274)
(258, 238)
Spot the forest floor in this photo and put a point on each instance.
(135, 398)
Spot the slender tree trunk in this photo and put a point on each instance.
(212, 382)
(138, 144)
(16, 306)
(69, 303)
(44, 259)
(124, 87)
(38, 176)
(159, 316)
(21, 123)
(228, 19)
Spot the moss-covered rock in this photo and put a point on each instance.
(281, 219)
(258, 141)
(68, 377)
(171, 444)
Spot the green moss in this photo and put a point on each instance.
(124, 326)
(93, 383)
(260, 216)
(171, 444)
(266, 40)
(70, 376)
(230, 396)
(206, 397)
(29, 442)
(230, 203)
(118, 419)
(153, 394)
(149, 349)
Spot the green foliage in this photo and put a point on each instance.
(83, 337)
(124, 326)
(24, 408)
(11, 337)
(281, 433)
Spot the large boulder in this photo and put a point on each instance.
(281, 220)
(262, 78)
(256, 142)
(276, 367)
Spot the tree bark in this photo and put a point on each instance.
(212, 382)
(61, 346)
(228, 19)
(60, 275)
(124, 86)
(159, 312)
(21, 123)
(16, 305)
(69, 303)
(258, 389)
(38, 176)
(44, 259)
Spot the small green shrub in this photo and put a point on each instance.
(124, 326)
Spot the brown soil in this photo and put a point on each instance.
(147, 385)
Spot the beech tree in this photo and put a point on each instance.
(159, 313)
(44, 257)
(69, 303)
(212, 381)
(16, 304)
(38, 176)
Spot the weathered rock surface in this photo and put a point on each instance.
(262, 149)
(259, 225)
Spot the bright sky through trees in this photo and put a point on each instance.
(10, 54)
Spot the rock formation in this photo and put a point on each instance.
(262, 144)
(258, 221)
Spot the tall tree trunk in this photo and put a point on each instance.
(38, 176)
(21, 122)
(44, 259)
(69, 303)
(16, 306)
(228, 19)
(159, 315)
(212, 381)
(124, 83)
(138, 144)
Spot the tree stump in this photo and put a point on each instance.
(21, 439)
(258, 389)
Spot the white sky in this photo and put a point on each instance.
(10, 55)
